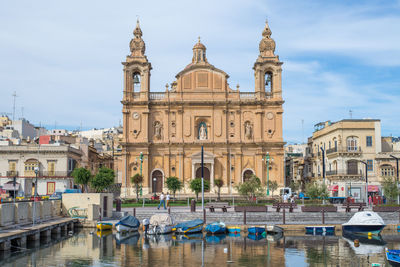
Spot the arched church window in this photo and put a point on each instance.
(136, 81)
(268, 81)
(202, 135)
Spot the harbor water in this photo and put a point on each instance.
(88, 248)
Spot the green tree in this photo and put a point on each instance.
(82, 177)
(195, 186)
(295, 186)
(103, 179)
(314, 191)
(173, 184)
(137, 179)
(251, 188)
(390, 188)
(219, 183)
(273, 185)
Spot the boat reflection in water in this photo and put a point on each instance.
(104, 233)
(255, 237)
(189, 238)
(127, 238)
(366, 245)
(215, 238)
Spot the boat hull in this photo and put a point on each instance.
(124, 228)
(215, 229)
(363, 229)
(189, 227)
(393, 257)
(160, 229)
(104, 226)
(315, 230)
(273, 229)
(233, 229)
(256, 230)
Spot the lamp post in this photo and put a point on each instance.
(35, 195)
(141, 164)
(267, 160)
(397, 175)
(323, 169)
(366, 180)
(154, 186)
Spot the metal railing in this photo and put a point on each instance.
(343, 150)
(343, 172)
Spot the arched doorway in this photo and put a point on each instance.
(206, 176)
(156, 181)
(247, 175)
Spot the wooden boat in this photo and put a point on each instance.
(274, 229)
(161, 224)
(189, 227)
(256, 230)
(393, 256)
(320, 230)
(101, 226)
(233, 229)
(216, 228)
(127, 224)
(364, 222)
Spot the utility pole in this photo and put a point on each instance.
(366, 181)
(397, 175)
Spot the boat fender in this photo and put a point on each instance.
(356, 243)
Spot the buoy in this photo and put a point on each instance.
(356, 243)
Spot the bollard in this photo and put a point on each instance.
(284, 215)
(134, 212)
(244, 216)
(99, 214)
(204, 216)
(323, 216)
(169, 210)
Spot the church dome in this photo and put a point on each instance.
(199, 45)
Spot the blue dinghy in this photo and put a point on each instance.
(393, 256)
(189, 227)
(127, 224)
(216, 228)
(256, 230)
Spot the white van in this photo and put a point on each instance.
(285, 190)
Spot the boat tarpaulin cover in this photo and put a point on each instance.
(161, 219)
(129, 221)
(365, 218)
(189, 224)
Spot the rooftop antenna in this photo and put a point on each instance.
(15, 96)
(351, 114)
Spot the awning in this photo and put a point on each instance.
(373, 188)
(333, 187)
(10, 187)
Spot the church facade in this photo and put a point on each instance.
(163, 132)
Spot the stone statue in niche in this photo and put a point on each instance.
(202, 131)
(157, 129)
(247, 130)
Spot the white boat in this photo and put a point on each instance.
(161, 224)
(364, 222)
(127, 224)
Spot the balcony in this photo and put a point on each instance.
(11, 173)
(344, 174)
(343, 151)
(157, 95)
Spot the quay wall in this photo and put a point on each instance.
(22, 212)
(103, 201)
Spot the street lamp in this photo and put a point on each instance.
(154, 186)
(141, 163)
(397, 174)
(35, 195)
(268, 159)
(366, 180)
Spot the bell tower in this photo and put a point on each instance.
(267, 68)
(137, 69)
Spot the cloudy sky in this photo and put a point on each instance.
(64, 58)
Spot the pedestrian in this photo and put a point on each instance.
(370, 200)
(162, 201)
(146, 224)
(168, 198)
(285, 198)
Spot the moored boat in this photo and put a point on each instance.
(233, 229)
(256, 230)
(320, 230)
(161, 224)
(128, 223)
(364, 222)
(274, 229)
(393, 256)
(216, 228)
(101, 226)
(189, 227)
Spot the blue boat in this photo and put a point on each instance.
(127, 224)
(256, 230)
(189, 227)
(393, 256)
(216, 228)
(234, 234)
(364, 222)
(320, 230)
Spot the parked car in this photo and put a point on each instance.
(56, 196)
(38, 198)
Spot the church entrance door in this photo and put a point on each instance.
(156, 181)
(206, 176)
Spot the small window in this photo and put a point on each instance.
(370, 165)
(369, 140)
